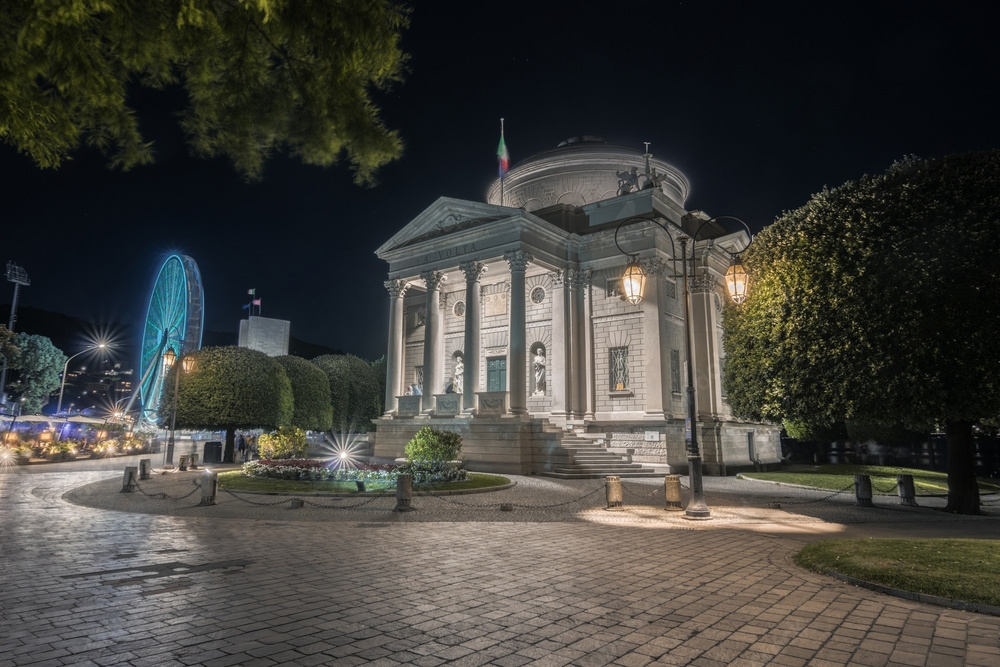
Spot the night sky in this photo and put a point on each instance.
(758, 104)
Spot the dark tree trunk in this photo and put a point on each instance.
(231, 442)
(963, 490)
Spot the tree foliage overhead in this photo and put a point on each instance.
(311, 392)
(354, 391)
(260, 76)
(877, 302)
(9, 351)
(229, 388)
(39, 367)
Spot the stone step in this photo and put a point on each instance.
(564, 473)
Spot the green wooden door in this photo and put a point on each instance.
(496, 374)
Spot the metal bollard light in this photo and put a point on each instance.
(863, 490)
(183, 464)
(672, 493)
(130, 481)
(613, 489)
(907, 493)
(404, 494)
(145, 468)
(193, 461)
(361, 485)
(209, 487)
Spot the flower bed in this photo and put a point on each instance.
(321, 471)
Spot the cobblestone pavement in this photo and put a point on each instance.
(89, 575)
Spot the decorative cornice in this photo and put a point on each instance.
(517, 259)
(397, 288)
(472, 270)
(702, 283)
(432, 279)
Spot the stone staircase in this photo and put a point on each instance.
(589, 457)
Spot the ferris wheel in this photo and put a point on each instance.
(175, 319)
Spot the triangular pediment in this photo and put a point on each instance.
(444, 216)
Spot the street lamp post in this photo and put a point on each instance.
(62, 387)
(633, 281)
(187, 363)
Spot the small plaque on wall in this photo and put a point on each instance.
(495, 304)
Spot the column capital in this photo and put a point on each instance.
(558, 277)
(703, 283)
(397, 288)
(518, 259)
(472, 270)
(576, 279)
(432, 279)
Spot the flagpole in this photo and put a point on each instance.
(501, 169)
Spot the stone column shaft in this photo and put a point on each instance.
(432, 325)
(394, 355)
(559, 380)
(590, 405)
(651, 328)
(473, 320)
(518, 359)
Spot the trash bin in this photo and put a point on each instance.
(213, 452)
(229, 457)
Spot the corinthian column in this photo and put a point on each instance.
(394, 355)
(518, 360)
(470, 379)
(558, 380)
(432, 325)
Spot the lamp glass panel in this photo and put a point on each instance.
(736, 281)
(633, 281)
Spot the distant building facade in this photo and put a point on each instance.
(266, 335)
(508, 323)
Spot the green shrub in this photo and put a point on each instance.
(286, 443)
(431, 445)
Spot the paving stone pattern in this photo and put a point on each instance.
(145, 581)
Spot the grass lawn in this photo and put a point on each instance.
(235, 480)
(966, 570)
(837, 477)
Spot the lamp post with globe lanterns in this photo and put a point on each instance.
(187, 364)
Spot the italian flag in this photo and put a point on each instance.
(503, 157)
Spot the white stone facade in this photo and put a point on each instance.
(496, 285)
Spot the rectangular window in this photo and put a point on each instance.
(613, 288)
(496, 374)
(418, 373)
(619, 368)
(675, 371)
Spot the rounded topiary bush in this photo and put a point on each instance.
(432, 445)
(287, 443)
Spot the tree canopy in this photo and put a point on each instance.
(9, 351)
(876, 302)
(39, 367)
(354, 391)
(229, 388)
(311, 393)
(260, 76)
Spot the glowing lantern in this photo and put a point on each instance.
(633, 280)
(737, 280)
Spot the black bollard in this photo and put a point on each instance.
(145, 468)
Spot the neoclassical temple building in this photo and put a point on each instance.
(509, 324)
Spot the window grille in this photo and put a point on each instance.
(619, 368)
(675, 371)
(419, 372)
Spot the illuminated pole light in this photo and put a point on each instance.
(633, 282)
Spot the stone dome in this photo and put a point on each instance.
(579, 171)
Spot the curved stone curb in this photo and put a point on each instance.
(816, 488)
(918, 597)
